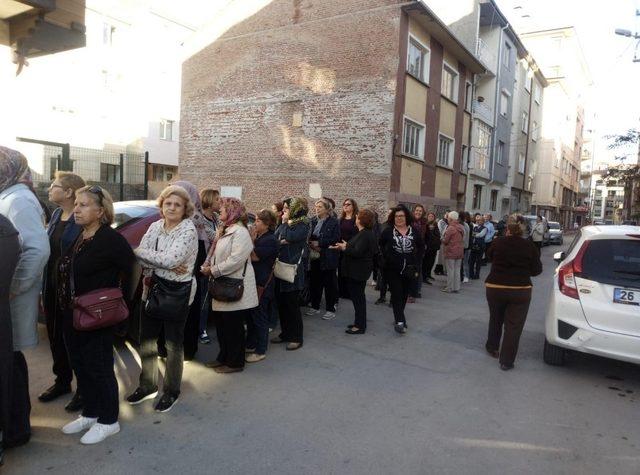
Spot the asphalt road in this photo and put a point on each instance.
(431, 401)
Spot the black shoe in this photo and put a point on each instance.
(506, 367)
(400, 328)
(351, 331)
(75, 404)
(167, 401)
(140, 395)
(54, 392)
(380, 301)
(428, 282)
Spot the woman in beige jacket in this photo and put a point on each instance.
(230, 257)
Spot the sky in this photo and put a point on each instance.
(615, 105)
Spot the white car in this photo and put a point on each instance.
(595, 303)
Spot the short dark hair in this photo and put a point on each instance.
(367, 218)
(392, 215)
(268, 218)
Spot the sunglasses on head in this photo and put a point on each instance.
(96, 190)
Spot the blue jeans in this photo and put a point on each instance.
(465, 263)
(258, 326)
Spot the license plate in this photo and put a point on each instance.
(625, 296)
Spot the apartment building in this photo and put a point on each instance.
(557, 184)
(341, 98)
(608, 199)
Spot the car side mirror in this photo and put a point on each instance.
(559, 256)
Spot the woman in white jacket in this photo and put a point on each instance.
(537, 232)
(230, 257)
(167, 253)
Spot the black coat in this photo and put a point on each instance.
(328, 236)
(357, 260)
(101, 262)
(266, 248)
(395, 260)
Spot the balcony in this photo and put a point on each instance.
(484, 54)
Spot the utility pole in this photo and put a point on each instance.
(634, 35)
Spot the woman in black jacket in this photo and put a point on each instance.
(401, 247)
(432, 245)
(96, 261)
(357, 263)
(513, 262)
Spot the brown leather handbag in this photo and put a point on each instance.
(98, 309)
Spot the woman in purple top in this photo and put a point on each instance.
(348, 229)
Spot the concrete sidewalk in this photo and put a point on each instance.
(431, 401)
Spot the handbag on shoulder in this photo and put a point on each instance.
(98, 309)
(227, 289)
(168, 299)
(285, 271)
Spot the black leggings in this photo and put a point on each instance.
(400, 287)
(290, 317)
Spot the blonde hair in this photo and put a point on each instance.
(208, 196)
(102, 198)
(70, 181)
(189, 207)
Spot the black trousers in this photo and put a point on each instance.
(15, 403)
(91, 355)
(231, 337)
(356, 290)
(290, 317)
(343, 286)
(323, 280)
(427, 263)
(475, 263)
(382, 284)
(56, 332)
(400, 286)
(508, 308)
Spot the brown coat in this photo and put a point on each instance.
(453, 241)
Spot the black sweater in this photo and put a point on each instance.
(513, 261)
(357, 261)
(394, 258)
(101, 261)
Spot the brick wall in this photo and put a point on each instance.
(302, 92)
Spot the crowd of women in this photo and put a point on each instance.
(202, 261)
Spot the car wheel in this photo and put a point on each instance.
(553, 355)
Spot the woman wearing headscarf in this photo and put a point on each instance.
(9, 255)
(292, 237)
(19, 204)
(231, 257)
(206, 235)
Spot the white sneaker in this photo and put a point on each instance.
(465, 280)
(311, 312)
(99, 432)
(80, 424)
(329, 316)
(254, 357)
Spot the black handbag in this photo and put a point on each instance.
(411, 271)
(227, 289)
(167, 299)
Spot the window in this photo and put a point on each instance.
(528, 81)
(521, 163)
(504, 103)
(525, 122)
(556, 162)
(107, 34)
(445, 151)
(506, 56)
(464, 161)
(477, 196)
(534, 131)
(468, 96)
(413, 144)
(54, 163)
(166, 129)
(418, 59)
(537, 94)
(555, 189)
(484, 141)
(109, 173)
(493, 203)
(612, 261)
(500, 152)
(449, 82)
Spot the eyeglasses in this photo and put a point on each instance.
(347, 204)
(96, 190)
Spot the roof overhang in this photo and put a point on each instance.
(423, 15)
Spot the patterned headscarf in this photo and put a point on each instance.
(298, 210)
(14, 169)
(204, 232)
(235, 209)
